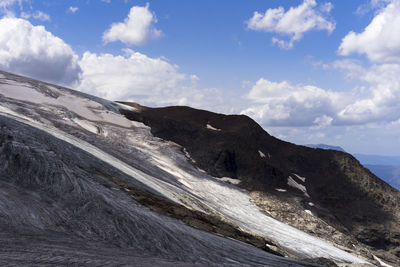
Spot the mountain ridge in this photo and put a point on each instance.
(218, 145)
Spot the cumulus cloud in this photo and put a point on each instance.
(381, 101)
(137, 28)
(133, 76)
(284, 104)
(375, 99)
(33, 51)
(294, 22)
(380, 40)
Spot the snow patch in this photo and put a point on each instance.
(83, 107)
(187, 155)
(261, 154)
(309, 212)
(209, 126)
(303, 179)
(229, 180)
(137, 124)
(381, 262)
(126, 107)
(311, 204)
(294, 184)
(280, 189)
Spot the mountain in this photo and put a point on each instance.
(292, 182)
(386, 168)
(86, 181)
(324, 146)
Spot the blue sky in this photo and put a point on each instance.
(308, 71)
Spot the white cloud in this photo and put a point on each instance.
(137, 28)
(381, 102)
(284, 104)
(133, 76)
(72, 9)
(294, 22)
(375, 99)
(39, 15)
(33, 51)
(380, 40)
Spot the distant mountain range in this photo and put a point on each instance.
(385, 167)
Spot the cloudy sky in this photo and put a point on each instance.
(308, 71)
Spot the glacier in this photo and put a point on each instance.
(97, 137)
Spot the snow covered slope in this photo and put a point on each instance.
(72, 143)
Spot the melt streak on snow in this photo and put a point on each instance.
(131, 148)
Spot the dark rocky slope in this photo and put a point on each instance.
(344, 194)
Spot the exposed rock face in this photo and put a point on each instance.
(345, 197)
